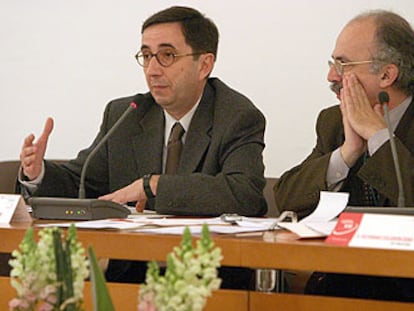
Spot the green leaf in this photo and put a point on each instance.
(101, 299)
(60, 263)
(68, 278)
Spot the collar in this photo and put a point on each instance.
(185, 121)
(397, 113)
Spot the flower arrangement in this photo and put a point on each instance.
(49, 275)
(190, 277)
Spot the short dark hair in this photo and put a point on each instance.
(199, 31)
(394, 45)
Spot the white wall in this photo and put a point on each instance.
(68, 58)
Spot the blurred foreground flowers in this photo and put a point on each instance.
(190, 277)
(49, 275)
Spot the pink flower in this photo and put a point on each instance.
(147, 303)
(45, 306)
(18, 303)
(146, 306)
(30, 297)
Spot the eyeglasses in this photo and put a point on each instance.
(165, 57)
(339, 65)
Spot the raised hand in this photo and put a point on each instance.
(354, 145)
(32, 153)
(365, 117)
(361, 119)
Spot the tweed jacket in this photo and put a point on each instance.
(298, 189)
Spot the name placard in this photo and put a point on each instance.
(13, 209)
(374, 231)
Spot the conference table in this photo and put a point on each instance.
(278, 249)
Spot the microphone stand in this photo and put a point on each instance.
(82, 208)
(131, 107)
(401, 196)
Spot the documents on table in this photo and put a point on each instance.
(319, 224)
(173, 225)
(216, 225)
(196, 229)
(322, 221)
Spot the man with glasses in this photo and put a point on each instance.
(218, 135)
(373, 53)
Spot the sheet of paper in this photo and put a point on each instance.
(256, 222)
(178, 230)
(301, 229)
(137, 222)
(227, 229)
(172, 222)
(13, 209)
(330, 205)
(145, 213)
(322, 221)
(98, 224)
(323, 227)
(8, 204)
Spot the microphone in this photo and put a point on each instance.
(384, 100)
(132, 106)
(81, 208)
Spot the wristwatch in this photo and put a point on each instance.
(147, 188)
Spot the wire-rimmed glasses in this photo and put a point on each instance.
(339, 65)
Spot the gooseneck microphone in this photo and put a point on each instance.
(384, 100)
(81, 208)
(131, 107)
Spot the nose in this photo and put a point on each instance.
(154, 68)
(333, 75)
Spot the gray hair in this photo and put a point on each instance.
(394, 45)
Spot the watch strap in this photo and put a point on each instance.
(147, 188)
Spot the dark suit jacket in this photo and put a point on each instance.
(221, 168)
(298, 189)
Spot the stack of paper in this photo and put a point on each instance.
(164, 224)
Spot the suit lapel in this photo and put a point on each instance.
(149, 138)
(404, 132)
(405, 128)
(199, 134)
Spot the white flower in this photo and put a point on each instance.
(190, 277)
(34, 271)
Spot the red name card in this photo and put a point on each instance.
(373, 230)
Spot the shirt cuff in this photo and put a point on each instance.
(377, 140)
(31, 185)
(337, 169)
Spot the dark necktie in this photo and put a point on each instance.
(174, 147)
(370, 194)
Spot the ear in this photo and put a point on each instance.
(388, 75)
(206, 64)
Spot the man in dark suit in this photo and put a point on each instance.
(221, 165)
(373, 53)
